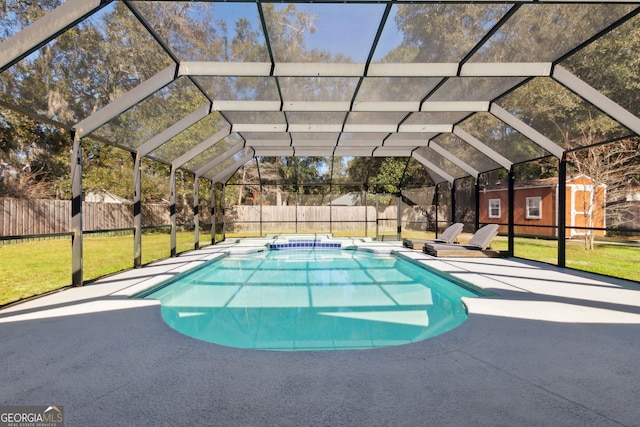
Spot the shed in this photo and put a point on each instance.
(536, 206)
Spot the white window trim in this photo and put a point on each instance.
(499, 208)
(528, 214)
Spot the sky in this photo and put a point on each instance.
(349, 29)
(345, 28)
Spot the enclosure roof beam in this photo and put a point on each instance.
(481, 147)
(273, 151)
(225, 174)
(286, 69)
(231, 69)
(596, 98)
(202, 147)
(428, 128)
(324, 127)
(506, 69)
(336, 128)
(126, 101)
(526, 130)
(173, 130)
(470, 106)
(46, 29)
(231, 151)
(261, 127)
(432, 167)
(253, 106)
(453, 159)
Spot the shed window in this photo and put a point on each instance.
(534, 207)
(494, 208)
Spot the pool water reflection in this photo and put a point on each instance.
(305, 299)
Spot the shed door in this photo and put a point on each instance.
(581, 208)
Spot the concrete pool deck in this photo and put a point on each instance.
(555, 347)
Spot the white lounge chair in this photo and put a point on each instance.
(477, 246)
(448, 236)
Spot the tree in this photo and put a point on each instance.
(441, 32)
(611, 168)
(80, 71)
(359, 169)
(39, 152)
(389, 176)
(610, 65)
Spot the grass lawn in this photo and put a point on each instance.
(605, 258)
(35, 267)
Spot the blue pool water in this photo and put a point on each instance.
(306, 299)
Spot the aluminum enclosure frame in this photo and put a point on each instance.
(57, 21)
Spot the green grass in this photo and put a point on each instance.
(32, 268)
(36, 267)
(605, 258)
(609, 259)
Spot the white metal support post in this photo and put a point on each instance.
(76, 210)
(196, 214)
(213, 213)
(223, 208)
(399, 215)
(137, 211)
(377, 217)
(562, 212)
(172, 210)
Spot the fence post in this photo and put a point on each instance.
(76, 210)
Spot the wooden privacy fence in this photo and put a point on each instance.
(23, 217)
(316, 218)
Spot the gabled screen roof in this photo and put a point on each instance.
(209, 86)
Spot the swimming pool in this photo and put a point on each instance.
(310, 299)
